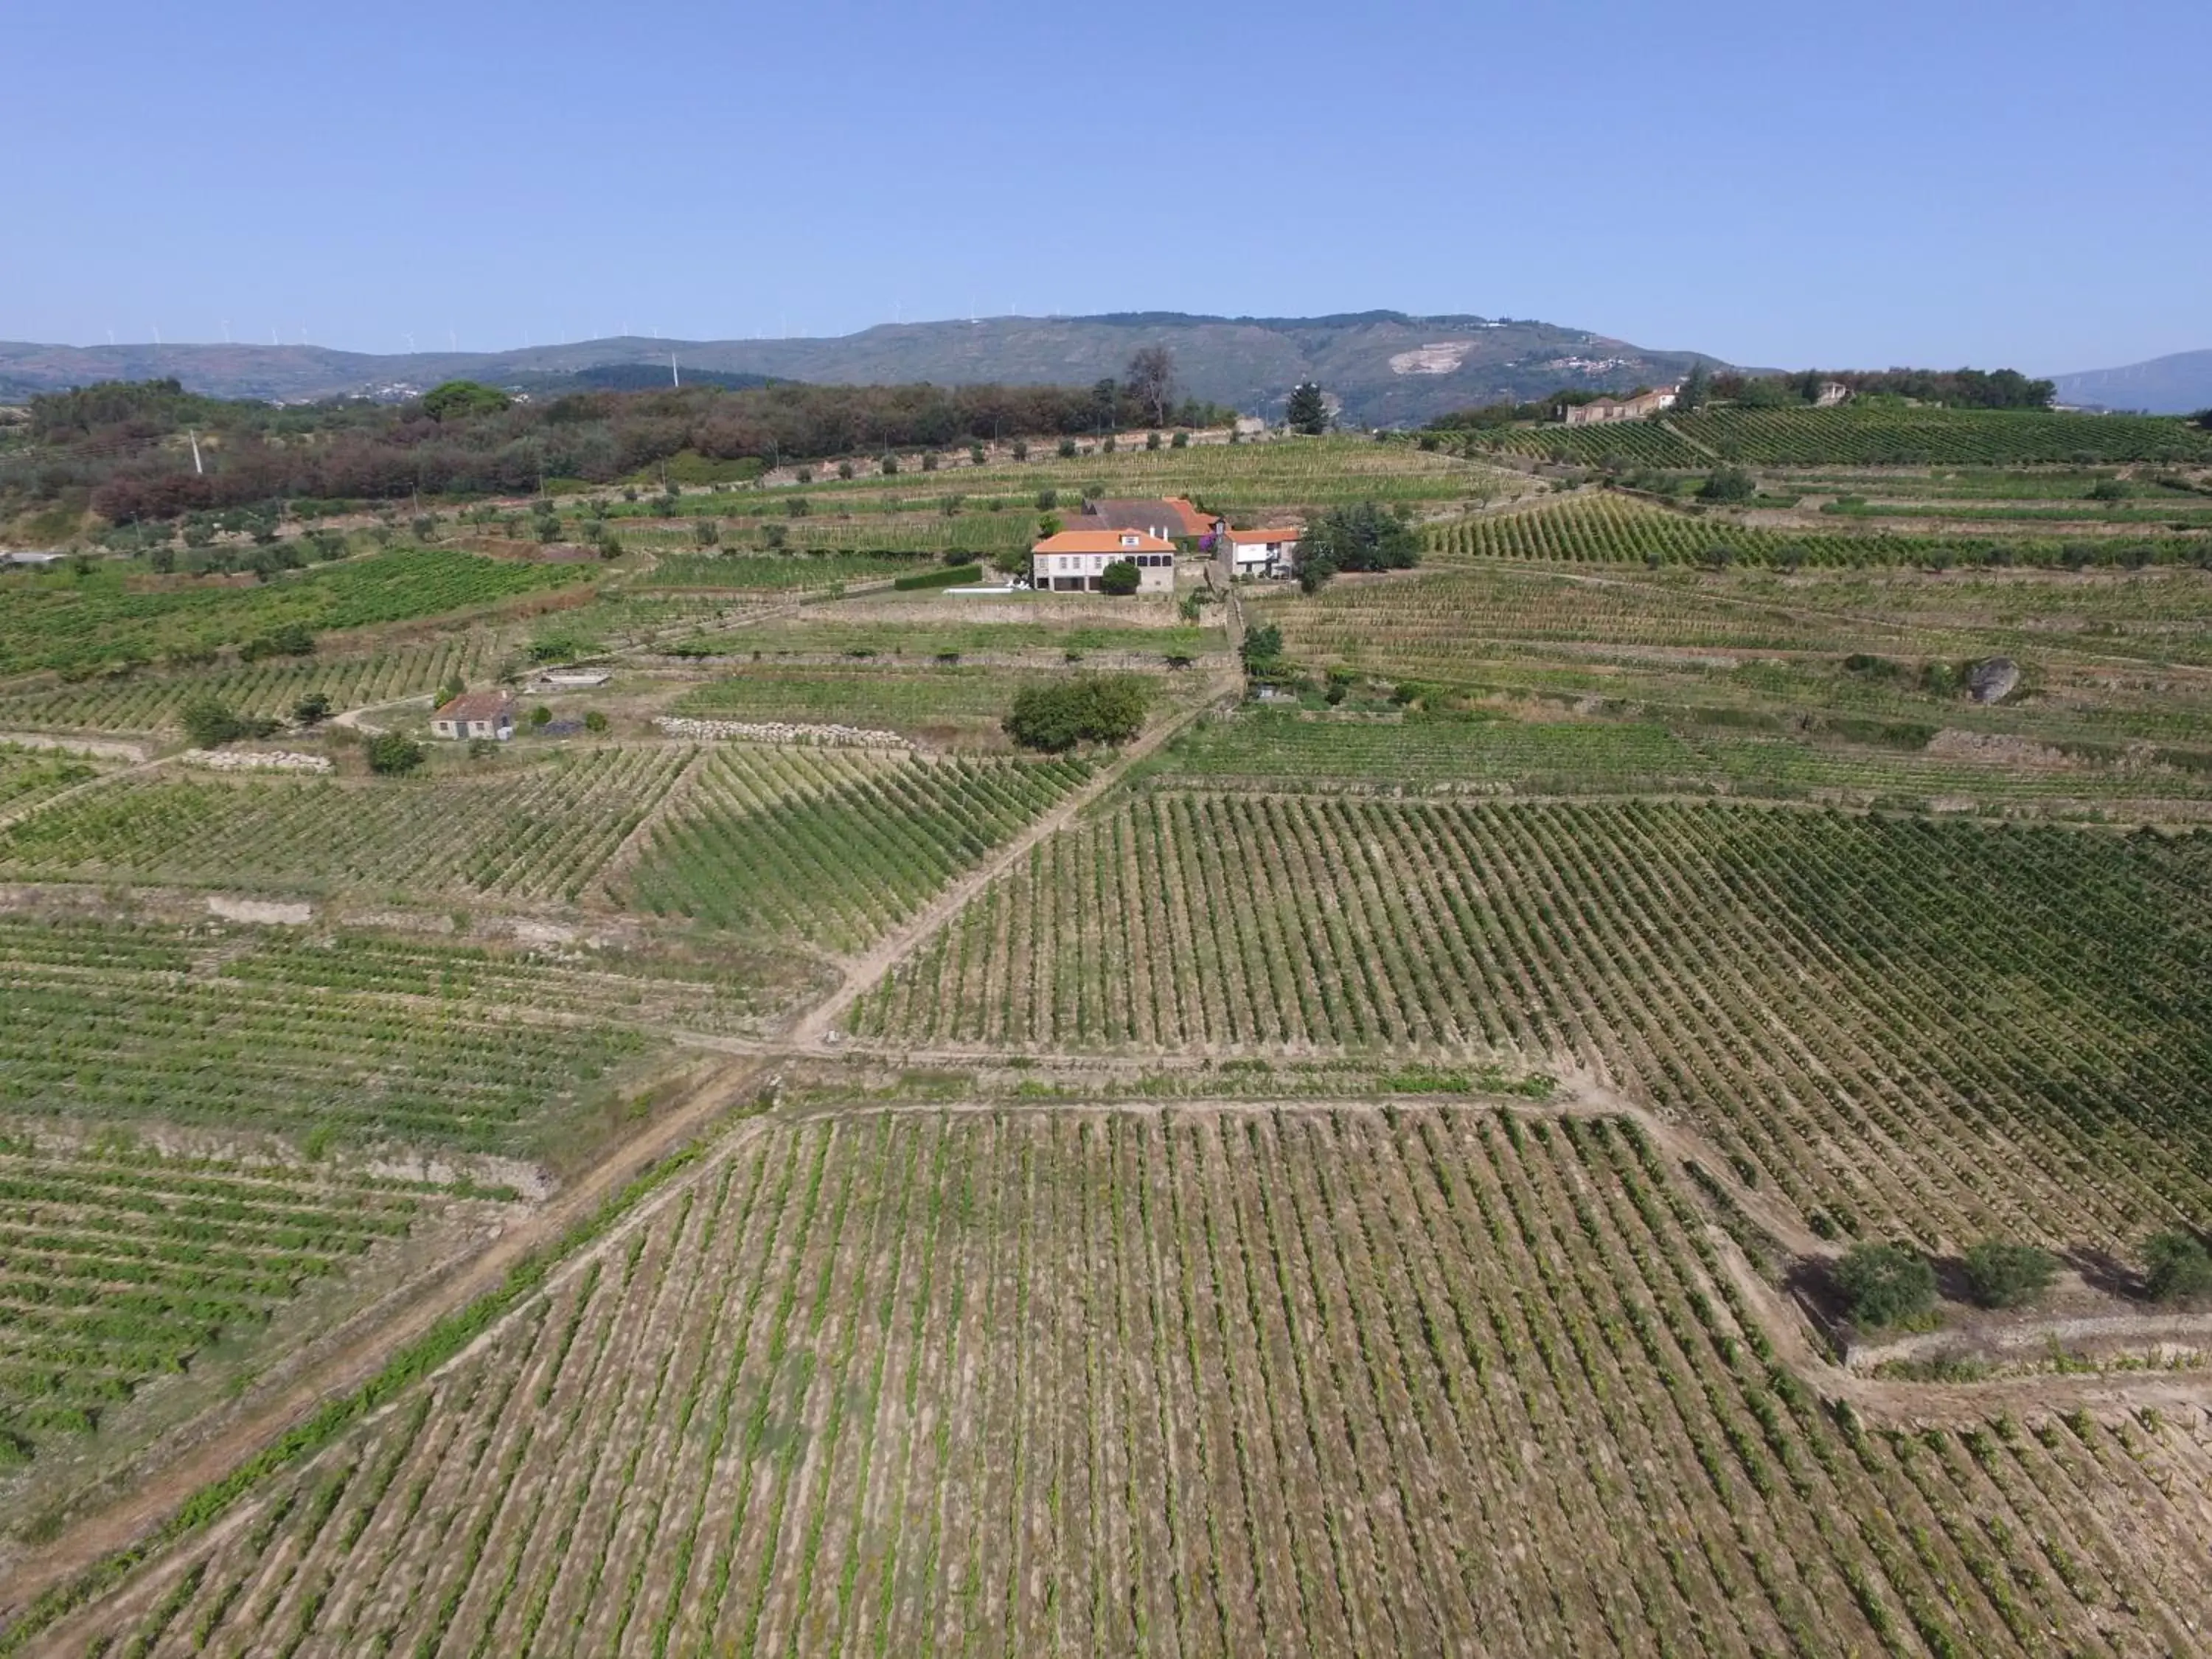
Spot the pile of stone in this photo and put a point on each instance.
(849, 736)
(255, 760)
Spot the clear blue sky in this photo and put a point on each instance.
(2014, 182)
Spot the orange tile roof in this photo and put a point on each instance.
(1270, 533)
(476, 706)
(1102, 541)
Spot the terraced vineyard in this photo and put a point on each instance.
(904, 700)
(773, 572)
(1605, 528)
(528, 829)
(1941, 1029)
(1277, 749)
(1212, 1384)
(831, 847)
(1867, 435)
(120, 1268)
(271, 687)
(106, 618)
(122, 1025)
(29, 775)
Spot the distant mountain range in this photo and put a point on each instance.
(1385, 368)
(2179, 385)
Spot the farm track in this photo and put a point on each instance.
(465, 1279)
(864, 972)
(1334, 1380)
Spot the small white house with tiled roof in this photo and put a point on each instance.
(475, 714)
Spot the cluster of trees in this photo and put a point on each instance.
(1361, 536)
(1954, 388)
(121, 447)
(1889, 1285)
(1056, 716)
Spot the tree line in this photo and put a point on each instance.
(115, 446)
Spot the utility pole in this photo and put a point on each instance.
(197, 468)
(674, 377)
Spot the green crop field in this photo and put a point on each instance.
(1223, 1382)
(29, 775)
(1870, 435)
(1955, 1013)
(828, 846)
(69, 623)
(120, 1268)
(1601, 527)
(531, 830)
(149, 702)
(1638, 1088)
(112, 1024)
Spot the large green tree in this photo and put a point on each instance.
(1361, 536)
(462, 398)
(1308, 410)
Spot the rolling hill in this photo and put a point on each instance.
(1386, 368)
(2178, 384)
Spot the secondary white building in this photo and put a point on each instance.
(1270, 551)
(475, 714)
(1073, 560)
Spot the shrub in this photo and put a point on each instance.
(1121, 578)
(541, 716)
(2005, 1275)
(393, 753)
(1047, 500)
(844, 469)
(311, 709)
(1068, 449)
(209, 723)
(929, 460)
(1885, 1283)
(1151, 441)
(1082, 709)
(2180, 1270)
(974, 454)
(889, 467)
(594, 721)
(1728, 483)
(1021, 449)
(292, 640)
(952, 576)
(1180, 441)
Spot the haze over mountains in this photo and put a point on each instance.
(1385, 367)
(2178, 385)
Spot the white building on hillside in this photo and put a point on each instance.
(1073, 560)
(1270, 551)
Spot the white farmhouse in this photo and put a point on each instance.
(1072, 561)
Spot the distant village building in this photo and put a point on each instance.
(1251, 426)
(1271, 551)
(475, 714)
(1072, 561)
(1831, 393)
(1604, 409)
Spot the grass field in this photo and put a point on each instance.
(1936, 1029)
(69, 623)
(1221, 1383)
